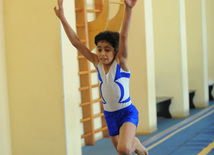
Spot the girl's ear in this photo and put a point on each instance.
(115, 54)
(116, 51)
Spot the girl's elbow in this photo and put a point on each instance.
(75, 43)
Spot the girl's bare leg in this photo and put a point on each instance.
(127, 142)
(141, 150)
(114, 141)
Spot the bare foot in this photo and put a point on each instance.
(141, 150)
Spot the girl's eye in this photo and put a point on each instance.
(107, 50)
(99, 50)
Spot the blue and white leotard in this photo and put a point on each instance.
(114, 87)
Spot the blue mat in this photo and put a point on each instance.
(211, 152)
(189, 141)
(196, 145)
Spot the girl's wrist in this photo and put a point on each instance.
(62, 17)
(128, 8)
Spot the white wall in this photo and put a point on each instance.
(210, 34)
(5, 140)
(170, 55)
(197, 52)
(34, 75)
(141, 62)
(71, 86)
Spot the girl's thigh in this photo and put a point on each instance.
(114, 140)
(127, 133)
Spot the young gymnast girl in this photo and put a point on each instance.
(113, 74)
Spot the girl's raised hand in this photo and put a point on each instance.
(59, 12)
(130, 3)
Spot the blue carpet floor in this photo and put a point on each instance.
(189, 139)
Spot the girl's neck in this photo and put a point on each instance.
(107, 67)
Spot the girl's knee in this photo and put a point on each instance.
(124, 149)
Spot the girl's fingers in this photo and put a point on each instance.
(60, 3)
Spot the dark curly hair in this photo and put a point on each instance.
(110, 37)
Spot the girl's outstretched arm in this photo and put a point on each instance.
(123, 43)
(73, 37)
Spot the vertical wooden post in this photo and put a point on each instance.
(85, 78)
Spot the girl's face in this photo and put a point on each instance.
(105, 52)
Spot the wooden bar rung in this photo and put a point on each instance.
(78, 9)
(83, 72)
(97, 100)
(98, 115)
(101, 129)
(85, 119)
(93, 10)
(84, 88)
(80, 57)
(80, 25)
(93, 71)
(86, 135)
(116, 2)
(83, 40)
(84, 104)
(94, 86)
